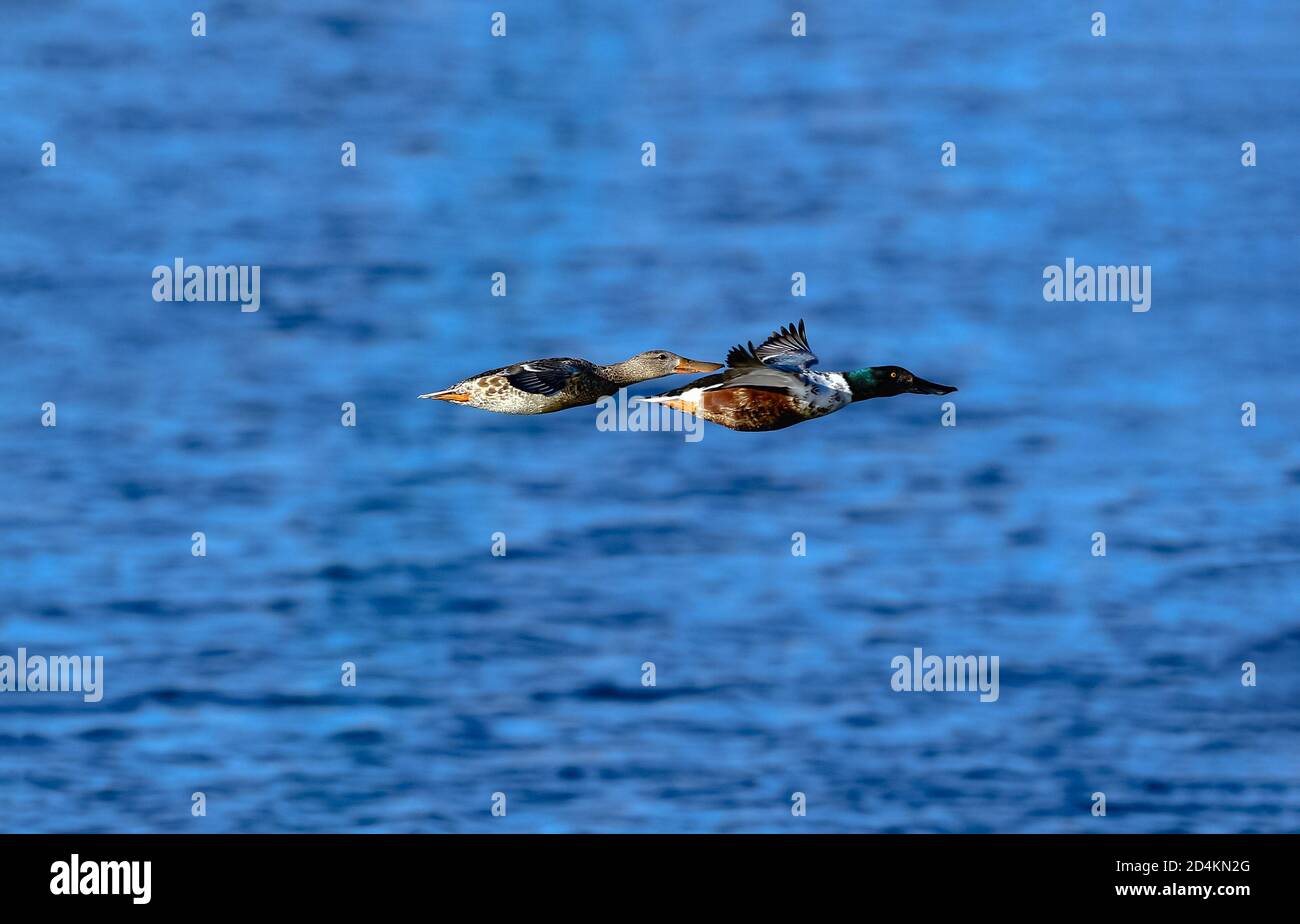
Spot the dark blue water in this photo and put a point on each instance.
(522, 674)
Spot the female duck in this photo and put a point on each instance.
(541, 386)
(775, 386)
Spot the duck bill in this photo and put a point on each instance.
(695, 365)
(921, 387)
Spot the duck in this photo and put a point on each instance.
(542, 386)
(774, 386)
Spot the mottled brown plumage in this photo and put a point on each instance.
(542, 386)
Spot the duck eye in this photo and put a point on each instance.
(662, 356)
(893, 375)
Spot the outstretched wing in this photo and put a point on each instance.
(786, 349)
(738, 357)
(541, 376)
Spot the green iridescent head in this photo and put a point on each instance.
(887, 381)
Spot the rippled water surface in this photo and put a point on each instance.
(522, 674)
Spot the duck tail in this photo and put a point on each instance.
(448, 394)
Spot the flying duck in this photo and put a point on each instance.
(540, 386)
(774, 386)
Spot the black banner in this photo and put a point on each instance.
(327, 873)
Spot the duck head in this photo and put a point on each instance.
(887, 381)
(653, 364)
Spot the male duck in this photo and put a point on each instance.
(540, 386)
(774, 386)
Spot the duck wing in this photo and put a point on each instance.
(786, 349)
(738, 357)
(774, 365)
(750, 376)
(542, 376)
